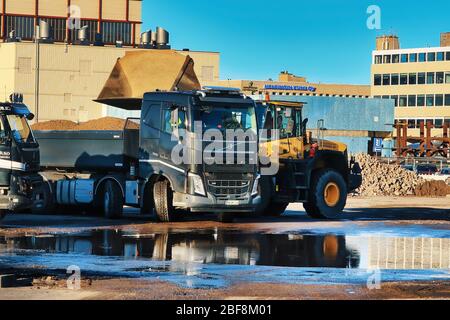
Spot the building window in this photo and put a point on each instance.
(440, 56)
(438, 123)
(430, 78)
(386, 79)
(395, 79)
(395, 58)
(412, 78)
(447, 99)
(418, 123)
(447, 56)
(378, 59)
(439, 77)
(24, 26)
(421, 78)
(404, 79)
(404, 58)
(413, 57)
(447, 77)
(116, 31)
(431, 56)
(403, 100)
(411, 123)
(412, 101)
(430, 100)
(439, 100)
(395, 98)
(421, 100)
(387, 59)
(422, 57)
(377, 80)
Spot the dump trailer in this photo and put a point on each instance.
(19, 157)
(105, 170)
(315, 172)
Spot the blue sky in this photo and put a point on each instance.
(324, 40)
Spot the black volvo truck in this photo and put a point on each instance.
(19, 157)
(105, 170)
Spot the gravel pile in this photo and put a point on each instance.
(102, 124)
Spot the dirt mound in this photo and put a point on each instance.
(102, 124)
(381, 179)
(432, 189)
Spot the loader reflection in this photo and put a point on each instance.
(207, 247)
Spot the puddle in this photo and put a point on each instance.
(214, 258)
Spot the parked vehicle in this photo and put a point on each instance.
(105, 170)
(426, 169)
(19, 157)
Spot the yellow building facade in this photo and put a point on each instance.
(418, 80)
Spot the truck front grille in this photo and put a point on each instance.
(229, 188)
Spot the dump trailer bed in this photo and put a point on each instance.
(98, 151)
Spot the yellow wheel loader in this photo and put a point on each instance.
(313, 171)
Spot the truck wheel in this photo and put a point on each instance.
(329, 194)
(43, 200)
(311, 210)
(162, 197)
(225, 217)
(275, 209)
(112, 200)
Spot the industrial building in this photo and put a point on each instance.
(292, 85)
(418, 80)
(353, 121)
(73, 65)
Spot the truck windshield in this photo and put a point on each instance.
(226, 117)
(20, 130)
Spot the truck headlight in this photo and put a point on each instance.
(197, 184)
(255, 186)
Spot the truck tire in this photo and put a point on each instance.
(329, 194)
(225, 217)
(311, 210)
(46, 203)
(162, 197)
(112, 200)
(275, 209)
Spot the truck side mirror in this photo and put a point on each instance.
(30, 116)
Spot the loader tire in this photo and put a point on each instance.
(163, 196)
(112, 200)
(329, 194)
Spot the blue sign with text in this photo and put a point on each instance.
(377, 144)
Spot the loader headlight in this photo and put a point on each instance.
(197, 184)
(255, 186)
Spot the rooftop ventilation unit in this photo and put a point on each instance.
(83, 36)
(162, 38)
(12, 37)
(99, 40)
(45, 32)
(146, 40)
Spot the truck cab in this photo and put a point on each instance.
(19, 157)
(176, 158)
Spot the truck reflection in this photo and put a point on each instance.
(208, 247)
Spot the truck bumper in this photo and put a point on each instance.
(211, 204)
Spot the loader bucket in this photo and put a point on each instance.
(145, 71)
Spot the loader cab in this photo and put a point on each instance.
(286, 118)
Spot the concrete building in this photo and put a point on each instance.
(71, 75)
(418, 80)
(292, 85)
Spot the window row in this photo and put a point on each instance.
(415, 123)
(312, 94)
(424, 100)
(414, 78)
(412, 57)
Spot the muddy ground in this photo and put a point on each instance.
(381, 248)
